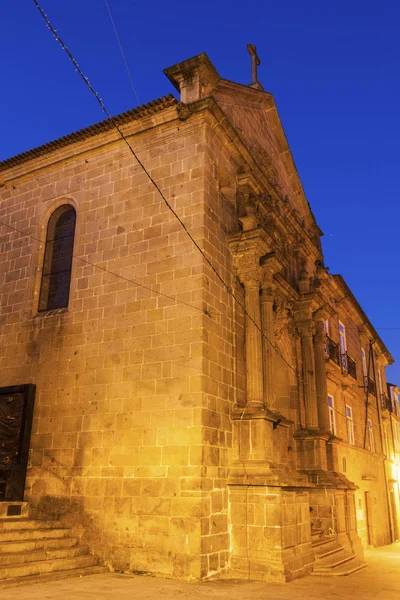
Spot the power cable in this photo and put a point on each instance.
(151, 179)
(122, 52)
(170, 208)
(157, 292)
(104, 270)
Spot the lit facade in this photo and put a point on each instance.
(192, 429)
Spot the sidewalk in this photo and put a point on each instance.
(381, 580)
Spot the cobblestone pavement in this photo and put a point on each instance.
(381, 580)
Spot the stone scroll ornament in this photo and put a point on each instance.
(11, 415)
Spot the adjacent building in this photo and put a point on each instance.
(204, 405)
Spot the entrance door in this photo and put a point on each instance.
(16, 411)
(369, 519)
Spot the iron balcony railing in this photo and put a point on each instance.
(351, 366)
(369, 384)
(332, 350)
(385, 402)
(347, 364)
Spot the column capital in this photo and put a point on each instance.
(247, 248)
(305, 328)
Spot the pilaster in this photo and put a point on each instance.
(320, 376)
(270, 267)
(305, 328)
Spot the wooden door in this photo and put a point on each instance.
(16, 412)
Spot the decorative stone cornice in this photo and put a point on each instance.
(194, 78)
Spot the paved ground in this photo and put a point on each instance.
(381, 580)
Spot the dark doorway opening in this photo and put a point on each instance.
(16, 413)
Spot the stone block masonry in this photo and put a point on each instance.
(180, 430)
(123, 422)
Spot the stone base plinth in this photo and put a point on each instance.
(333, 508)
(271, 533)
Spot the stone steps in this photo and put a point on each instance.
(32, 534)
(15, 523)
(331, 559)
(39, 544)
(44, 554)
(54, 576)
(41, 550)
(348, 568)
(327, 549)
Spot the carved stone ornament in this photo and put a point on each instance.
(268, 223)
(282, 312)
(184, 111)
(248, 267)
(306, 328)
(251, 206)
(245, 262)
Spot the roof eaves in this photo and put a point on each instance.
(340, 280)
(140, 112)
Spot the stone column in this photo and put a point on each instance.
(253, 344)
(267, 320)
(320, 376)
(307, 352)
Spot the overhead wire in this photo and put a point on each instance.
(118, 275)
(122, 52)
(166, 202)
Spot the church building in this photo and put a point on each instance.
(183, 383)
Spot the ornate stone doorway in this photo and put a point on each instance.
(16, 412)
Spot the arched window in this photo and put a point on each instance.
(57, 263)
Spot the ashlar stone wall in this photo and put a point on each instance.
(125, 413)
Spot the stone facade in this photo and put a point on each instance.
(181, 415)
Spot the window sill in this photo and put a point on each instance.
(53, 312)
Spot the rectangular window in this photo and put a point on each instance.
(386, 441)
(370, 436)
(342, 338)
(380, 388)
(332, 419)
(326, 329)
(364, 362)
(396, 432)
(350, 425)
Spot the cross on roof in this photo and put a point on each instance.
(255, 61)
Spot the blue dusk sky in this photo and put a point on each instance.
(333, 68)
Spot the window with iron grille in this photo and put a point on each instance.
(332, 418)
(57, 263)
(350, 425)
(364, 362)
(370, 433)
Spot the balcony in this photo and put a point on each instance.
(349, 366)
(369, 384)
(332, 350)
(385, 402)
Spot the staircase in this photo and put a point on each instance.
(331, 559)
(34, 551)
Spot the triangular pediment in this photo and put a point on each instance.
(254, 115)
